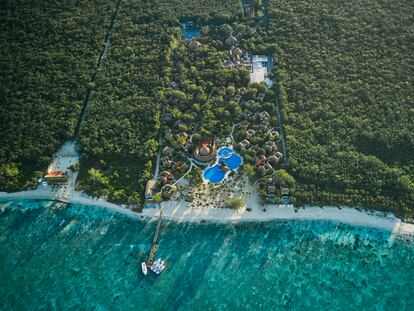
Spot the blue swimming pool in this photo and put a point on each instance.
(225, 152)
(234, 161)
(189, 34)
(215, 174)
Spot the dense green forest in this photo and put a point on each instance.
(49, 53)
(119, 136)
(346, 72)
(208, 11)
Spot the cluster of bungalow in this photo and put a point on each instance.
(164, 184)
(168, 162)
(249, 7)
(271, 191)
(264, 163)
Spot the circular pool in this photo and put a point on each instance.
(225, 152)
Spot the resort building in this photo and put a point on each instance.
(250, 132)
(236, 54)
(167, 163)
(185, 146)
(260, 160)
(271, 198)
(274, 135)
(265, 124)
(168, 151)
(231, 40)
(261, 170)
(245, 124)
(284, 191)
(194, 45)
(249, 7)
(260, 97)
(279, 155)
(250, 103)
(269, 168)
(261, 65)
(270, 195)
(271, 189)
(149, 189)
(190, 196)
(247, 113)
(270, 146)
(56, 177)
(238, 59)
(168, 190)
(273, 160)
(264, 115)
(244, 144)
(205, 151)
(166, 177)
(181, 166)
(241, 90)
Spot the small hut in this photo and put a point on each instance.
(181, 166)
(261, 170)
(284, 191)
(54, 177)
(166, 163)
(264, 115)
(244, 144)
(189, 197)
(231, 40)
(250, 133)
(271, 189)
(260, 97)
(236, 54)
(274, 135)
(250, 103)
(194, 45)
(166, 177)
(167, 151)
(260, 160)
(273, 160)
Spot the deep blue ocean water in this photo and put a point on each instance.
(85, 258)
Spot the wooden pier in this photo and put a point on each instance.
(154, 245)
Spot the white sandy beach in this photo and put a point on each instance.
(181, 211)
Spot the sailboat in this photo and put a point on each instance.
(144, 268)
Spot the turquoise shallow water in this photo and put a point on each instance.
(85, 258)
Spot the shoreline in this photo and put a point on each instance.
(181, 211)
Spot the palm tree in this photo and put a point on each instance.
(158, 199)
